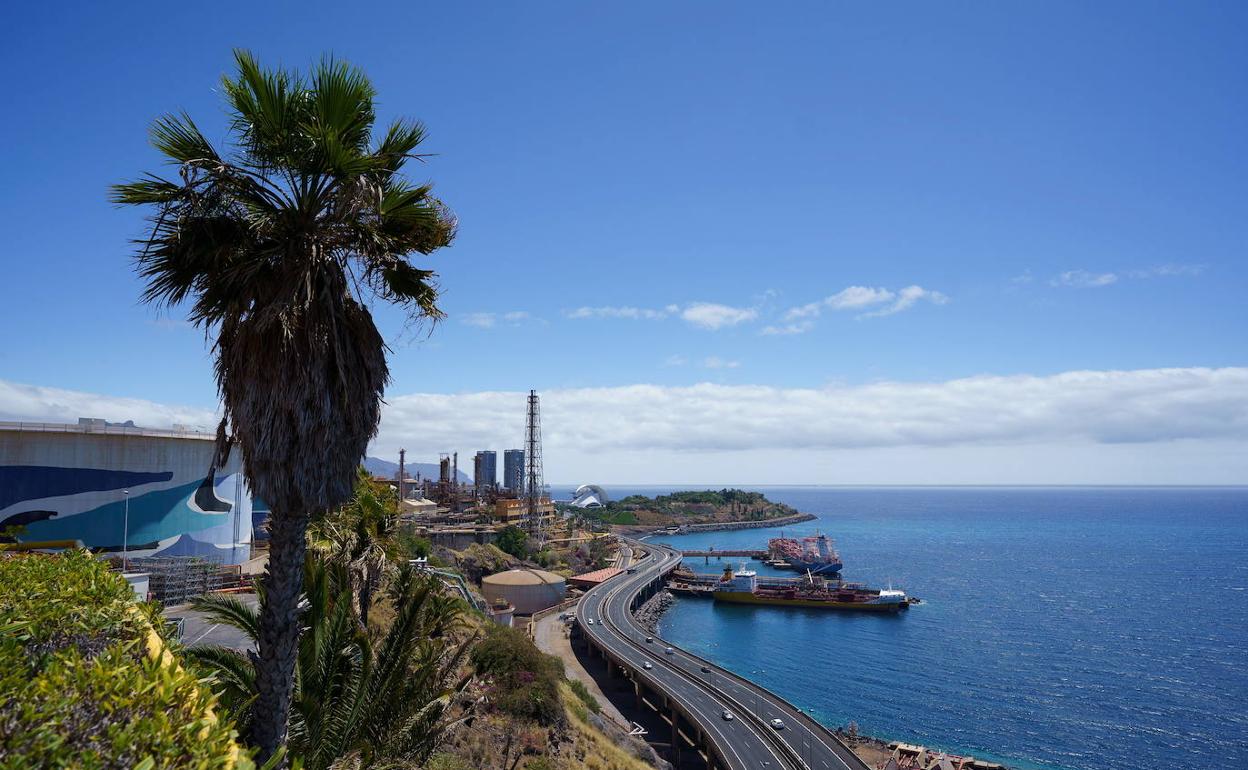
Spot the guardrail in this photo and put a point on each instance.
(106, 430)
(764, 730)
(815, 728)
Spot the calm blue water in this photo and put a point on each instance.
(1064, 628)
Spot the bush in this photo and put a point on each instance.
(514, 541)
(79, 686)
(524, 680)
(585, 695)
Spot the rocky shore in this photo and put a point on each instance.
(649, 613)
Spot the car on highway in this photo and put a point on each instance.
(706, 669)
(727, 715)
(591, 621)
(777, 724)
(649, 640)
(647, 665)
(669, 651)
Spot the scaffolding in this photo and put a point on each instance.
(180, 579)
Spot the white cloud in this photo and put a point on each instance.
(709, 315)
(715, 362)
(35, 403)
(801, 327)
(1167, 271)
(479, 320)
(490, 320)
(1082, 279)
(906, 298)
(675, 360)
(858, 298)
(635, 313)
(1185, 426)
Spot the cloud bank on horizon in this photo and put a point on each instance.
(968, 430)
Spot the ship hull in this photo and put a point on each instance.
(737, 597)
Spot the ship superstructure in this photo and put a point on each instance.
(743, 587)
(816, 554)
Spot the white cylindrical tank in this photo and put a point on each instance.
(528, 590)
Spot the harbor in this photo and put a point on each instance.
(820, 587)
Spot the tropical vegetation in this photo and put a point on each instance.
(361, 699)
(86, 683)
(278, 246)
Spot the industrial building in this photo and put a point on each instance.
(511, 510)
(119, 487)
(528, 590)
(513, 470)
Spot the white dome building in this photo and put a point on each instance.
(589, 496)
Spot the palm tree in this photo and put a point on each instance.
(277, 248)
(361, 535)
(357, 699)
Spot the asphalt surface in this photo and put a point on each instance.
(746, 741)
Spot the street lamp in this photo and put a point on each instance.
(125, 531)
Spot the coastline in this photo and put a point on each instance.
(715, 526)
(871, 749)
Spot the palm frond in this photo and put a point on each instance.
(231, 611)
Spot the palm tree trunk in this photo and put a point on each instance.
(366, 596)
(279, 631)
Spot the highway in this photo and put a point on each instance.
(746, 741)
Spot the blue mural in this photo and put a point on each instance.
(19, 483)
(208, 516)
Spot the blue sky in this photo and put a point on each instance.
(922, 193)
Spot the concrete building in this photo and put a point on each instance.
(528, 590)
(513, 470)
(511, 510)
(153, 492)
(485, 469)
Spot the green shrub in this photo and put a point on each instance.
(78, 687)
(447, 762)
(524, 681)
(514, 541)
(585, 695)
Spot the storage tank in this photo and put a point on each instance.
(528, 590)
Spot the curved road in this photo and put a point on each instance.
(746, 741)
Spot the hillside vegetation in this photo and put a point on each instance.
(691, 507)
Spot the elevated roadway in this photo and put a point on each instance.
(693, 693)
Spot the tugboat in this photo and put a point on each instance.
(813, 591)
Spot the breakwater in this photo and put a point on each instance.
(648, 614)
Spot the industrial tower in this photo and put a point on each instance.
(533, 468)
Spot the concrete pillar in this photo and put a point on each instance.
(675, 739)
(637, 694)
(610, 668)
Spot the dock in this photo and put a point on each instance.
(712, 553)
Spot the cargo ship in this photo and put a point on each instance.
(742, 587)
(816, 555)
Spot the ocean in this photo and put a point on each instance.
(1060, 629)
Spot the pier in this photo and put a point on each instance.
(711, 553)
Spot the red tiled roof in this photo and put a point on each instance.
(597, 576)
